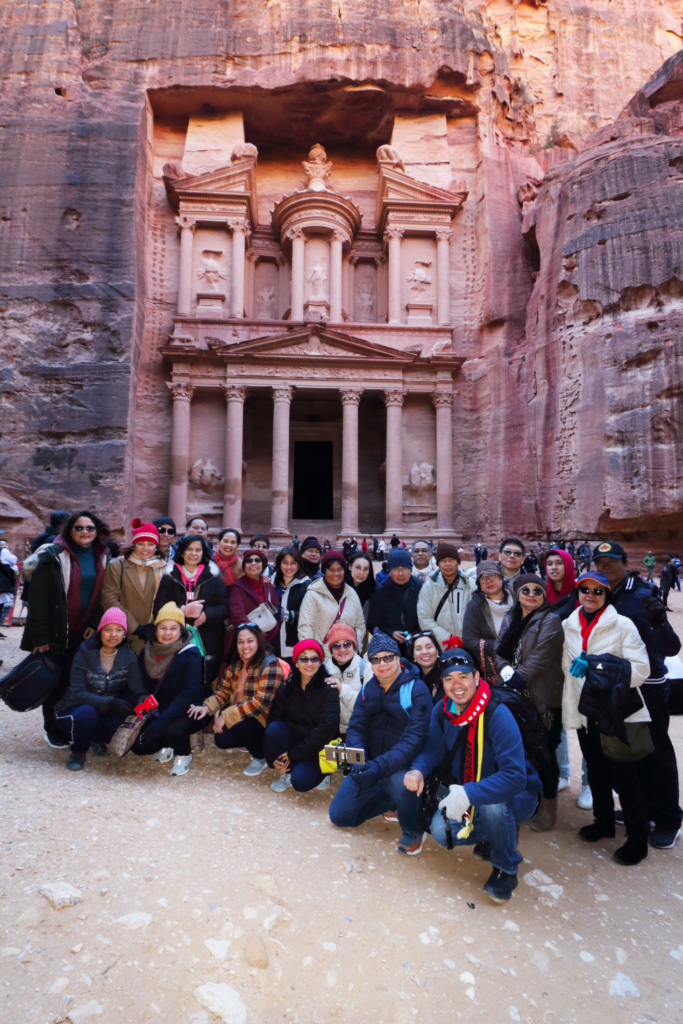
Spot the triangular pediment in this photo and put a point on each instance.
(313, 343)
(396, 189)
(238, 176)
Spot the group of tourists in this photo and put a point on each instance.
(458, 687)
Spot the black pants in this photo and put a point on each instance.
(658, 773)
(665, 596)
(622, 776)
(175, 734)
(48, 708)
(248, 733)
(555, 734)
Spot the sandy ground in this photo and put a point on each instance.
(232, 884)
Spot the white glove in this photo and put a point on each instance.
(456, 803)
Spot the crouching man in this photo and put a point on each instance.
(492, 786)
(390, 721)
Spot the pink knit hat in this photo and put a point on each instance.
(144, 531)
(113, 617)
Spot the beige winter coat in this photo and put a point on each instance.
(123, 588)
(613, 634)
(319, 610)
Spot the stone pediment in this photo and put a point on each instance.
(312, 345)
(398, 192)
(216, 188)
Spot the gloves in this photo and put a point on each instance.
(516, 681)
(653, 611)
(121, 707)
(456, 803)
(366, 775)
(579, 665)
(453, 641)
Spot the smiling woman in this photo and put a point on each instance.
(131, 582)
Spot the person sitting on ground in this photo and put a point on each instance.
(484, 616)
(304, 717)
(244, 698)
(442, 601)
(512, 553)
(311, 551)
(425, 651)
(390, 721)
(560, 589)
(490, 778)
(346, 670)
(361, 577)
(171, 669)
(424, 565)
(393, 607)
(227, 556)
(329, 600)
(104, 686)
(51, 531)
(131, 582)
(291, 583)
(167, 531)
(252, 596)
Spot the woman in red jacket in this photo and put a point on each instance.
(252, 596)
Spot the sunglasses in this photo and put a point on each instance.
(342, 645)
(167, 529)
(253, 561)
(249, 625)
(382, 659)
(85, 529)
(313, 660)
(531, 591)
(511, 553)
(598, 591)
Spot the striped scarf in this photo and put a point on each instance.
(472, 718)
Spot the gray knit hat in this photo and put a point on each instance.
(381, 642)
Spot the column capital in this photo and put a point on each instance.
(353, 259)
(237, 224)
(351, 396)
(295, 233)
(184, 222)
(440, 398)
(392, 233)
(443, 234)
(393, 397)
(380, 261)
(181, 390)
(234, 392)
(282, 393)
(280, 260)
(338, 236)
(252, 256)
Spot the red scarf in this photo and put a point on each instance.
(258, 586)
(226, 564)
(469, 716)
(78, 617)
(588, 627)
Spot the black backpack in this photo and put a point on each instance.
(535, 736)
(30, 682)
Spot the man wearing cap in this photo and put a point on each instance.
(489, 788)
(389, 722)
(658, 773)
(443, 599)
(393, 605)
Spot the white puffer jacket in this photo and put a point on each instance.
(352, 677)
(613, 634)
(449, 622)
(319, 610)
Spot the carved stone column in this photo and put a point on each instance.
(282, 296)
(336, 276)
(185, 270)
(239, 234)
(235, 395)
(298, 243)
(251, 260)
(351, 310)
(443, 286)
(381, 311)
(443, 403)
(180, 450)
(394, 464)
(282, 399)
(349, 498)
(393, 237)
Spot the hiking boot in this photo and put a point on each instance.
(482, 850)
(632, 852)
(663, 840)
(164, 755)
(76, 763)
(99, 749)
(598, 830)
(411, 847)
(545, 817)
(500, 886)
(585, 800)
(255, 766)
(181, 765)
(281, 784)
(56, 740)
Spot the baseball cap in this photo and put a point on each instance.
(609, 549)
(456, 661)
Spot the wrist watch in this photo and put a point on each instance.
(507, 673)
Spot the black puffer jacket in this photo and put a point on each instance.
(211, 590)
(394, 608)
(607, 696)
(90, 684)
(180, 686)
(312, 714)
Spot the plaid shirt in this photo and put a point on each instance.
(260, 688)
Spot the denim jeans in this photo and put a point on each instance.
(305, 775)
(352, 806)
(498, 824)
(563, 756)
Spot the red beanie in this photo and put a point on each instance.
(332, 556)
(305, 645)
(144, 531)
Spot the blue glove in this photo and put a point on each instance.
(517, 681)
(366, 775)
(579, 665)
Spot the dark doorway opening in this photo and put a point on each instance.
(313, 488)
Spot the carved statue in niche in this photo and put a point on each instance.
(421, 479)
(420, 279)
(205, 477)
(317, 280)
(211, 270)
(317, 169)
(266, 304)
(365, 300)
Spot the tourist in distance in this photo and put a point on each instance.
(131, 582)
(423, 560)
(64, 601)
(583, 556)
(244, 697)
(658, 773)
(360, 576)
(666, 578)
(484, 616)
(597, 628)
(676, 566)
(528, 657)
(167, 531)
(227, 557)
(425, 651)
(304, 717)
(442, 601)
(477, 554)
(51, 531)
(104, 686)
(311, 552)
(346, 670)
(492, 778)
(253, 598)
(329, 600)
(389, 722)
(381, 549)
(171, 669)
(512, 552)
(193, 582)
(9, 569)
(383, 574)
(291, 583)
(393, 607)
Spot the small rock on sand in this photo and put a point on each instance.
(255, 952)
(29, 918)
(135, 920)
(60, 894)
(91, 1009)
(222, 1001)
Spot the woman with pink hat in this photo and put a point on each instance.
(104, 685)
(131, 582)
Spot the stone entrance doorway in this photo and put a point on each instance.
(313, 496)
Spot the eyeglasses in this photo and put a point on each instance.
(531, 591)
(598, 591)
(382, 659)
(512, 553)
(85, 529)
(343, 644)
(313, 660)
(167, 529)
(490, 579)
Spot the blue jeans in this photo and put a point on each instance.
(563, 757)
(352, 806)
(86, 725)
(305, 775)
(498, 824)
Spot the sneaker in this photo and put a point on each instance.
(598, 830)
(619, 818)
(76, 763)
(500, 886)
(632, 852)
(482, 850)
(585, 800)
(390, 815)
(164, 755)
(56, 740)
(563, 784)
(325, 784)
(662, 840)
(411, 847)
(197, 742)
(181, 765)
(281, 784)
(99, 749)
(255, 766)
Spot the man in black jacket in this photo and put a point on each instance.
(638, 601)
(393, 606)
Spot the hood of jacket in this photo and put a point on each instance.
(569, 581)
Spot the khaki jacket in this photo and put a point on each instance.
(123, 588)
